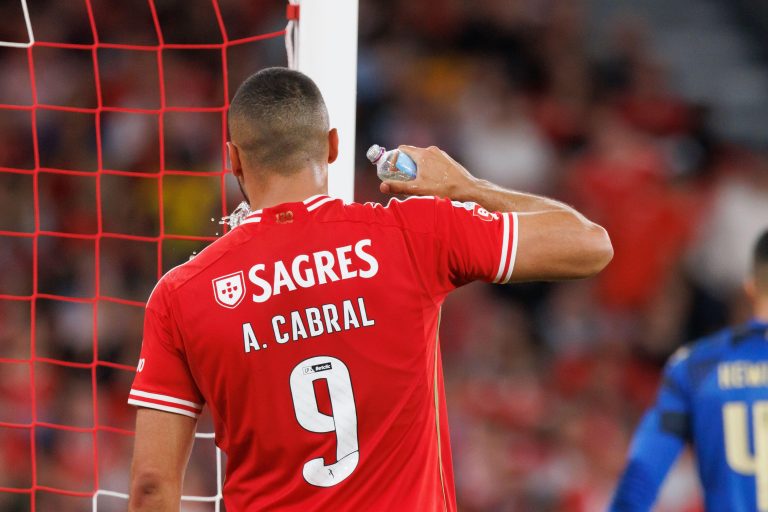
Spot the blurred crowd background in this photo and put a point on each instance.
(649, 116)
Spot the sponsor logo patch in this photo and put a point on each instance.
(476, 209)
(317, 368)
(482, 213)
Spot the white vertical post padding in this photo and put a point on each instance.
(328, 54)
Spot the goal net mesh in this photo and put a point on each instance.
(112, 171)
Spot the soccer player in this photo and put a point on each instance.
(310, 330)
(714, 396)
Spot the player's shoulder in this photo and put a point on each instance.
(441, 207)
(419, 213)
(706, 348)
(415, 213)
(396, 205)
(181, 274)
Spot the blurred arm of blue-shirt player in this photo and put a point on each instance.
(657, 442)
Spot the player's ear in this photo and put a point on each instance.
(234, 160)
(750, 288)
(333, 145)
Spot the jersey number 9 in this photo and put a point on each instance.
(343, 421)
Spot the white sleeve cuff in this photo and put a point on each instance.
(164, 403)
(508, 248)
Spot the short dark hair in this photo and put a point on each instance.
(279, 121)
(760, 261)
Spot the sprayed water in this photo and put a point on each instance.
(237, 217)
(232, 220)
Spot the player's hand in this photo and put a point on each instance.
(438, 175)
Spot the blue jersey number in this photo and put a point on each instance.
(737, 444)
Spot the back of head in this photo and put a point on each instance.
(760, 256)
(279, 122)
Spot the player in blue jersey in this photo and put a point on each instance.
(714, 396)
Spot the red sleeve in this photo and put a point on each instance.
(456, 243)
(163, 380)
(478, 244)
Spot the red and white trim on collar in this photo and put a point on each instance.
(252, 218)
(311, 204)
(315, 202)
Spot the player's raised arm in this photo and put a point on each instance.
(163, 444)
(554, 241)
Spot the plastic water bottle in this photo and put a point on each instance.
(391, 165)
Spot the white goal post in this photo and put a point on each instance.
(327, 52)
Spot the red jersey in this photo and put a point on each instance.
(311, 333)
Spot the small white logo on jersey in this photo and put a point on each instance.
(229, 290)
(477, 210)
(141, 365)
(317, 368)
(467, 205)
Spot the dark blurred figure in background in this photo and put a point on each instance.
(564, 98)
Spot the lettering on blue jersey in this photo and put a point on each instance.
(742, 374)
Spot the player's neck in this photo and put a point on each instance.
(277, 189)
(761, 309)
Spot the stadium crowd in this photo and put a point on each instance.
(545, 381)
